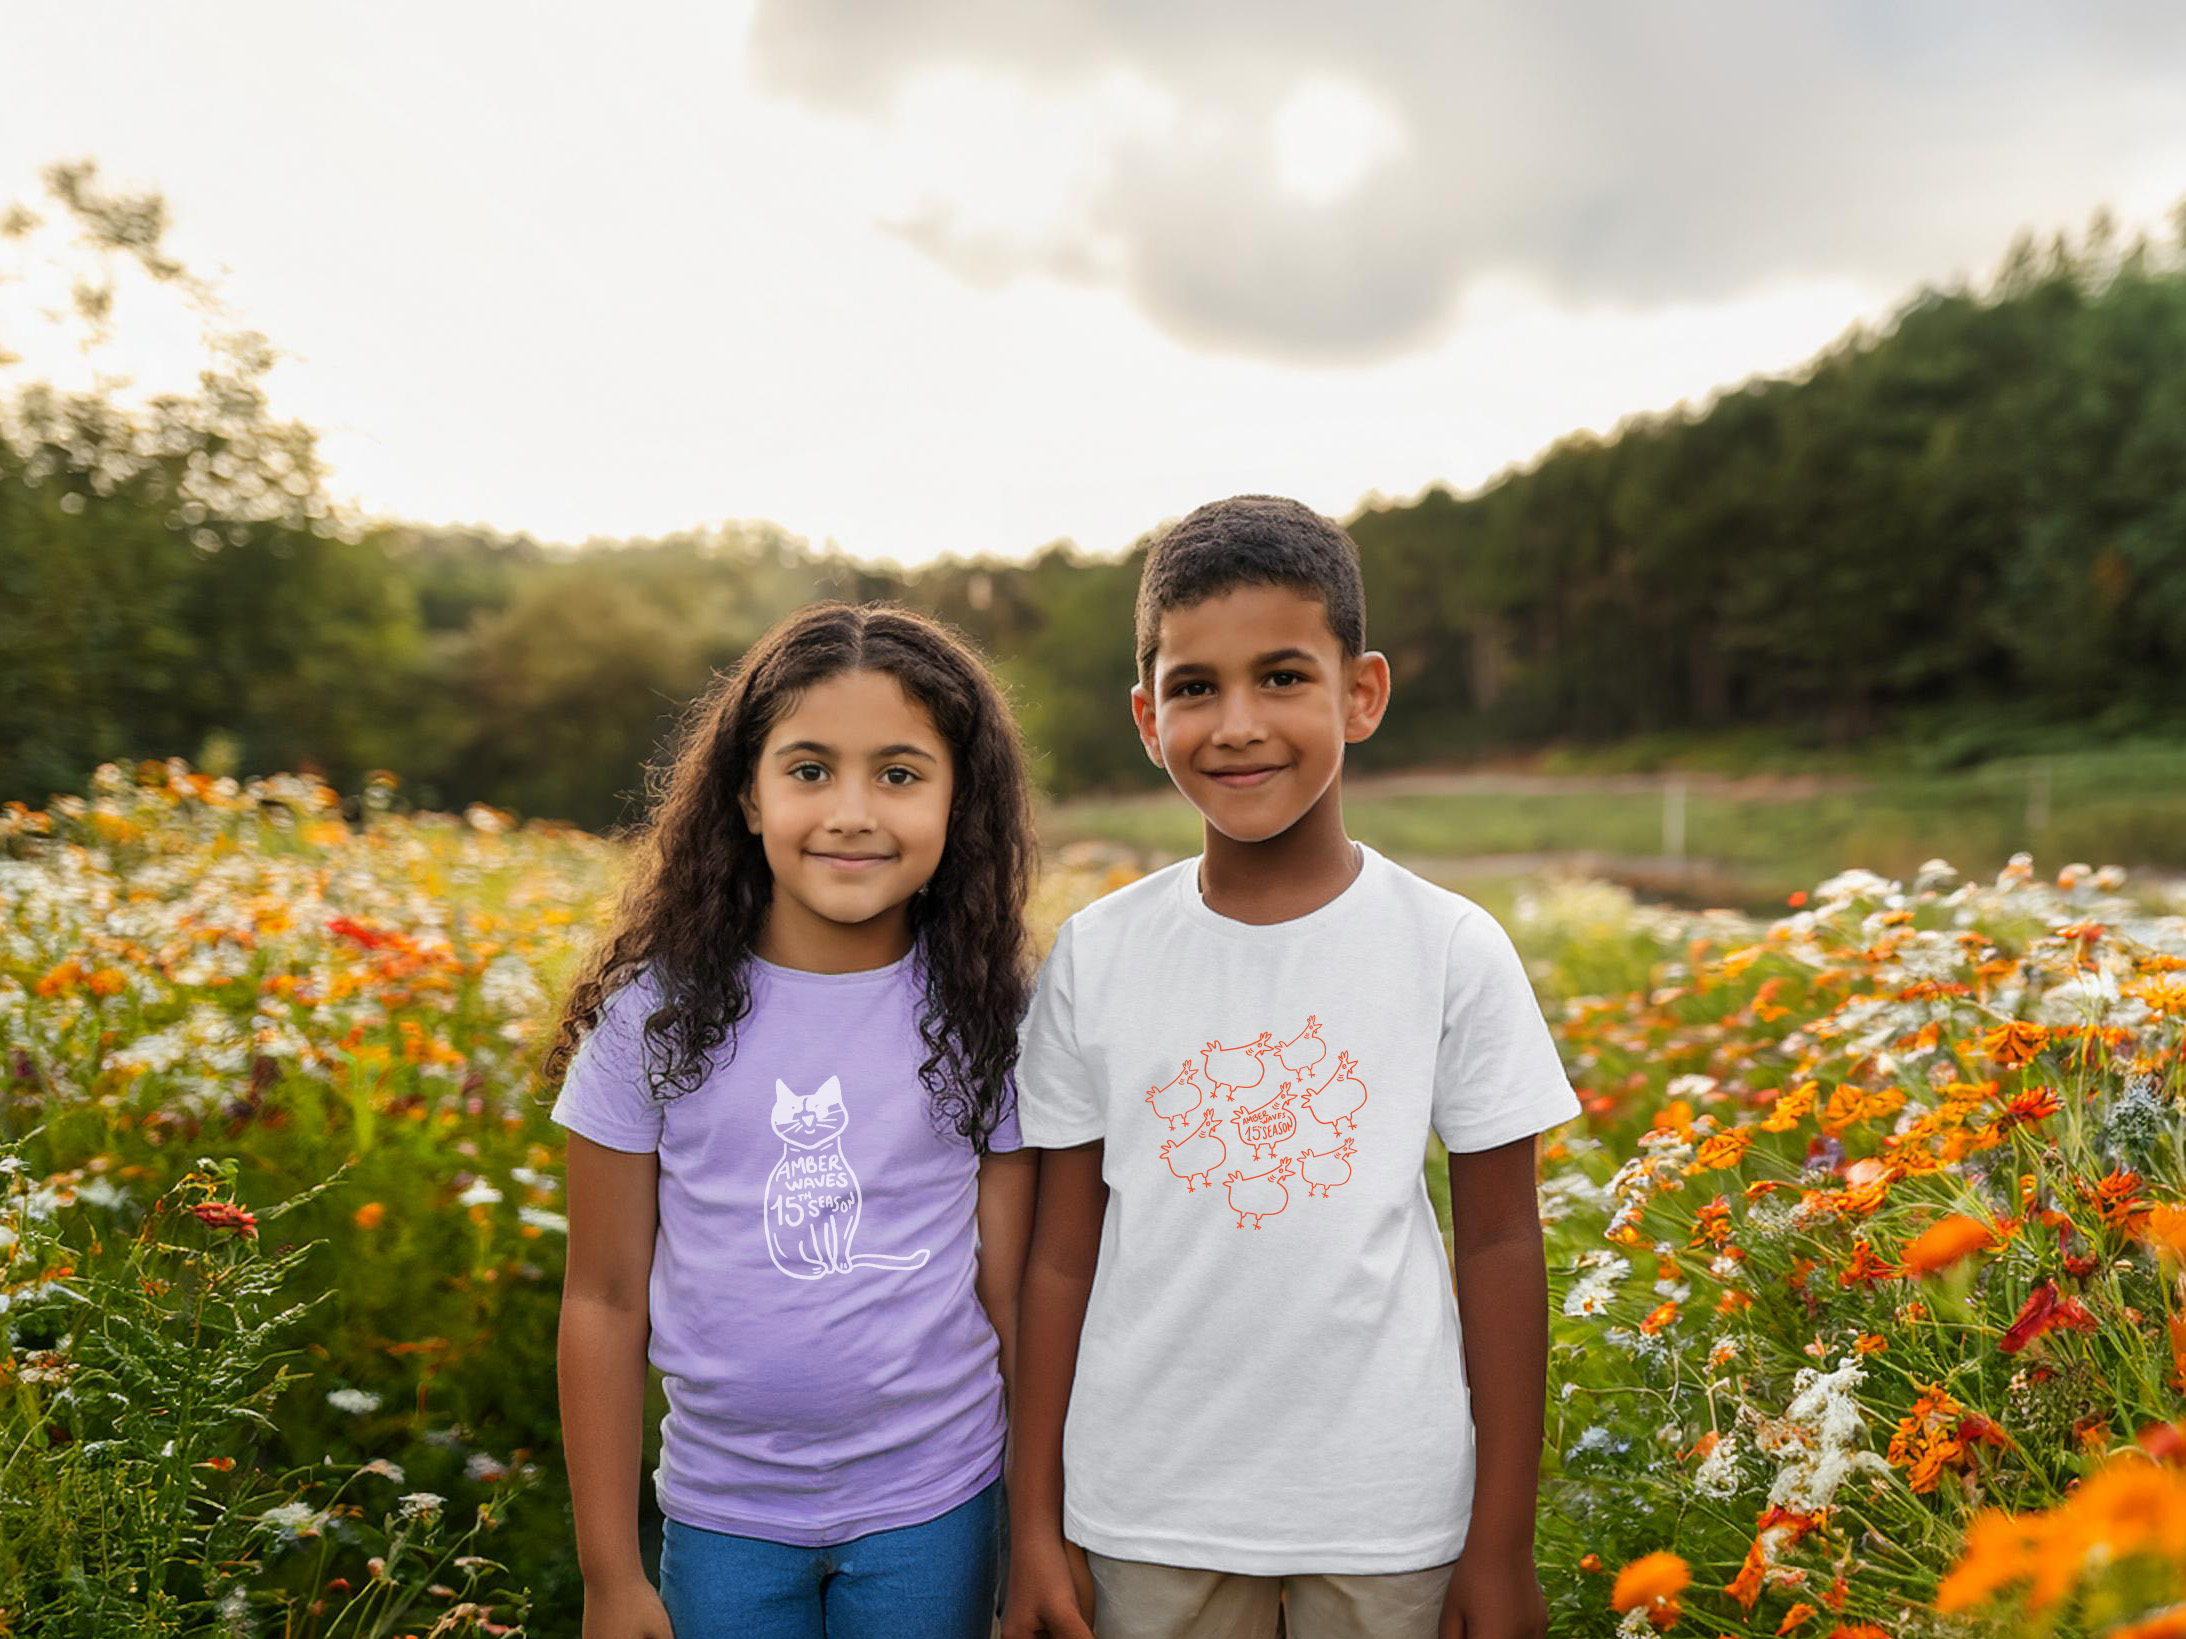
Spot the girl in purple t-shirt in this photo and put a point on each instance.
(795, 1182)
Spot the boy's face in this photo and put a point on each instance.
(1251, 705)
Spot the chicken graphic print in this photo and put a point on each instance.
(1270, 1120)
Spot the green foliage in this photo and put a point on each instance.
(1972, 520)
(147, 1355)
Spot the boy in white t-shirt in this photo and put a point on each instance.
(1243, 1381)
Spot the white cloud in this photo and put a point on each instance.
(952, 274)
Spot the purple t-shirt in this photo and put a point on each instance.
(830, 1369)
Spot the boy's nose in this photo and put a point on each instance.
(1239, 724)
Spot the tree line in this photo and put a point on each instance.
(1973, 515)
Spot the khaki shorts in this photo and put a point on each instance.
(1134, 1600)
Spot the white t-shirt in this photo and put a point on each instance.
(1271, 1379)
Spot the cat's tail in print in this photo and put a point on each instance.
(882, 1260)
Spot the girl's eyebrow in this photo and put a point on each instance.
(815, 748)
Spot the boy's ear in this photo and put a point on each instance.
(1366, 695)
(1142, 713)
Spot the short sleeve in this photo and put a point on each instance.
(1005, 1135)
(1057, 1106)
(605, 1095)
(1498, 1076)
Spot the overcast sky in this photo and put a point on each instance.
(977, 275)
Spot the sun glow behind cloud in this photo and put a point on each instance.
(579, 276)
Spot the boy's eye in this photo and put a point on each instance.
(1189, 686)
(1284, 679)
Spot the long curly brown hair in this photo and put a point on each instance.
(697, 895)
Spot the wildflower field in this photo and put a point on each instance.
(1867, 1305)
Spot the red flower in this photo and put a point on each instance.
(2044, 1311)
(227, 1215)
(369, 938)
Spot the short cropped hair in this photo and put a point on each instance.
(1251, 540)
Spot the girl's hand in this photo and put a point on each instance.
(626, 1609)
(1494, 1597)
(1051, 1593)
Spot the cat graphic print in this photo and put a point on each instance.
(813, 1203)
(1294, 1141)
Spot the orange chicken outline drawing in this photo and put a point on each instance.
(1256, 1051)
(1346, 1110)
(1275, 1109)
(1274, 1175)
(1311, 1035)
(1190, 1078)
(1208, 1128)
(1341, 1155)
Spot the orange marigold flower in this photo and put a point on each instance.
(2117, 1198)
(2014, 1042)
(1999, 1550)
(1723, 1149)
(1924, 1442)
(2162, 996)
(2035, 1104)
(1652, 1580)
(369, 1215)
(1712, 1223)
(1590, 1562)
(227, 1215)
(2168, 1623)
(1663, 1314)
(1865, 1269)
(1869, 1343)
(1791, 1106)
(1798, 1616)
(1857, 1630)
(1944, 1243)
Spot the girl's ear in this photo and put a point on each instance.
(750, 809)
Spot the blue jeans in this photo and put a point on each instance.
(930, 1581)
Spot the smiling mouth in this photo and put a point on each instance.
(1256, 774)
(851, 862)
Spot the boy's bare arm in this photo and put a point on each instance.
(605, 1328)
(1066, 1238)
(1502, 1293)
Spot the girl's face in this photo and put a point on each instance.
(851, 802)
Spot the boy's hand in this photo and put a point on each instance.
(628, 1608)
(1494, 1596)
(1050, 1594)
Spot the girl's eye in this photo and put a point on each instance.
(807, 772)
(893, 769)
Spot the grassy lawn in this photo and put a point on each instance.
(2125, 806)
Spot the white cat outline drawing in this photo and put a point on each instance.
(813, 1202)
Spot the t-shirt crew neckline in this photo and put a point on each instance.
(856, 976)
(1201, 914)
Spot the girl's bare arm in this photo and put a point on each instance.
(1005, 1227)
(613, 1213)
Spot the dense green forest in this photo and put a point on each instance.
(1973, 517)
